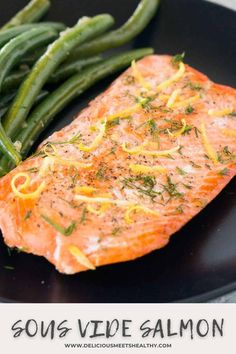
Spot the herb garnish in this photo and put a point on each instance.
(176, 125)
(194, 164)
(152, 126)
(179, 209)
(145, 101)
(197, 132)
(178, 58)
(83, 215)
(225, 155)
(189, 109)
(195, 86)
(32, 170)
(171, 189)
(74, 179)
(101, 173)
(113, 122)
(116, 231)
(224, 172)
(28, 214)
(129, 80)
(181, 171)
(64, 231)
(143, 184)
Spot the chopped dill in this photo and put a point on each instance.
(171, 189)
(129, 80)
(113, 122)
(143, 184)
(83, 215)
(181, 171)
(116, 231)
(187, 186)
(176, 125)
(224, 172)
(189, 109)
(180, 150)
(195, 86)
(74, 178)
(28, 214)
(100, 174)
(152, 126)
(197, 132)
(194, 164)
(66, 231)
(145, 102)
(32, 170)
(179, 209)
(178, 58)
(225, 155)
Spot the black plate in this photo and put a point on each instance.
(200, 261)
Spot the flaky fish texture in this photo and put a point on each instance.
(133, 168)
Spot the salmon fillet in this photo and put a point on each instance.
(134, 167)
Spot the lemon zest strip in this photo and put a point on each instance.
(135, 208)
(125, 113)
(136, 168)
(220, 112)
(140, 150)
(186, 102)
(209, 149)
(55, 158)
(97, 141)
(99, 212)
(81, 257)
(102, 200)
(85, 189)
(177, 76)
(25, 184)
(173, 97)
(138, 76)
(181, 130)
(229, 132)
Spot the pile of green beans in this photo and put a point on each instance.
(72, 60)
(87, 28)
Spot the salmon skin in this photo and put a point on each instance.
(134, 167)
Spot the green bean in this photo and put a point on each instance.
(68, 69)
(57, 52)
(44, 113)
(30, 13)
(14, 50)
(7, 35)
(7, 147)
(135, 25)
(63, 72)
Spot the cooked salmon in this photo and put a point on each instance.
(133, 168)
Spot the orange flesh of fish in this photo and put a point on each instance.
(138, 211)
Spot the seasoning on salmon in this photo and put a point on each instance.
(132, 169)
